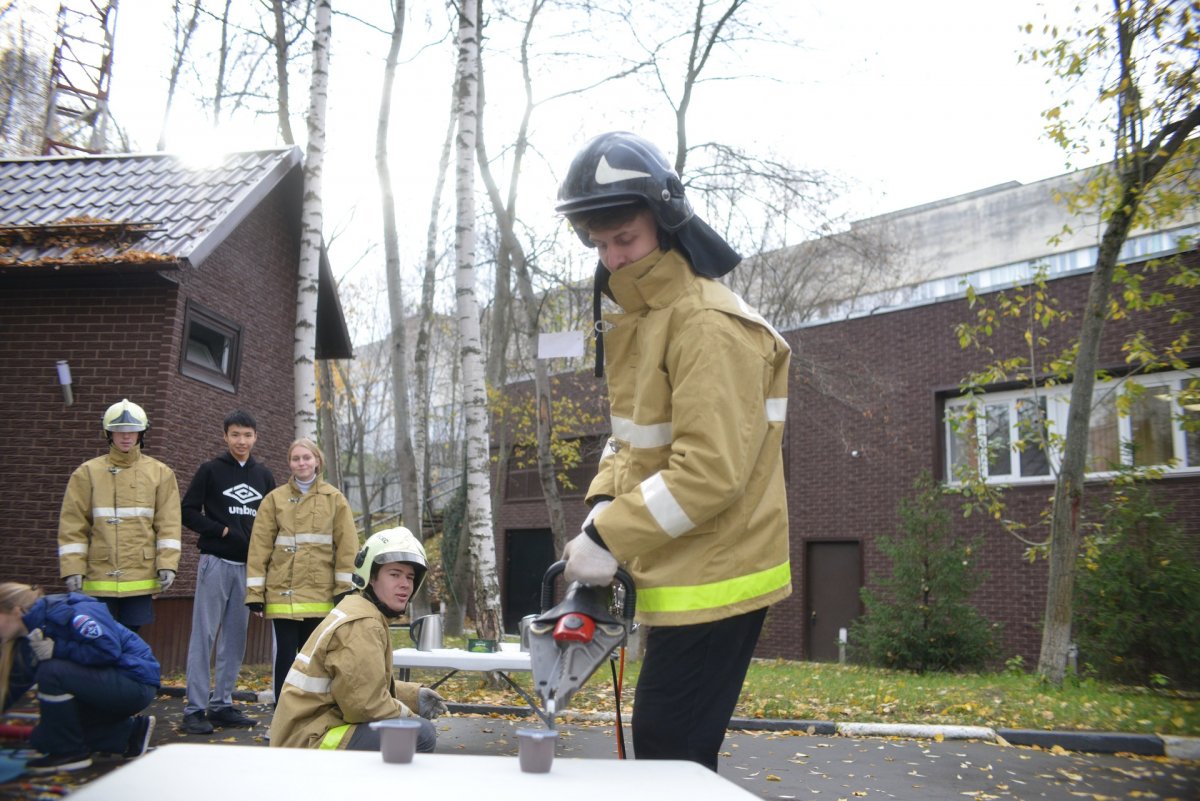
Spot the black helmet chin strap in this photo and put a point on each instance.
(387, 611)
(599, 285)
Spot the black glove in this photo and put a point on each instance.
(255, 608)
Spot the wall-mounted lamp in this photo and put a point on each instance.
(64, 380)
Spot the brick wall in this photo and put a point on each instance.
(122, 335)
(109, 330)
(874, 385)
(864, 419)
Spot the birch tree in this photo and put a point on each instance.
(311, 218)
(479, 513)
(1147, 48)
(422, 368)
(406, 463)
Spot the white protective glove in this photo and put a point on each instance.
(166, 578)
(74, 583)
(432, 705)
(588, 563)
(41, 645)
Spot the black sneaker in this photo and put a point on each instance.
(139, 738)
(194, 723)
(59, 763)
(228, 716)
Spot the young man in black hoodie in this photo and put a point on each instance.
(220, 505)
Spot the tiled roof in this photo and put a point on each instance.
(127, 209)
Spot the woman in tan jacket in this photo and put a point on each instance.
(301, 556)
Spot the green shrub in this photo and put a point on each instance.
(919, 617)
(1137, 598)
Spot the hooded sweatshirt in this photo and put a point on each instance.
(224, 494)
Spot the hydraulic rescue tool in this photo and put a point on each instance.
(567, 643)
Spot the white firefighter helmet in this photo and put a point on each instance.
(390, 545)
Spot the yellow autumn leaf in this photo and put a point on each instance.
(939, 737)
(771, 777)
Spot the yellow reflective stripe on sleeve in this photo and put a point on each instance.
(292, 609)
(333, 737)
(717, 594)
(666, 510)
(121, 587)
(76, 547)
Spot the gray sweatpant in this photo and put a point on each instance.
(220, 606)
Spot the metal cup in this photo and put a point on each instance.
(397, 739)
(535, 749)
(426, 632)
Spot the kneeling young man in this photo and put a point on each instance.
(342, 678)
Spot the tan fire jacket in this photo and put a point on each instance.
(697, 383)
(340, 679)
(302, 551)
(120, 524)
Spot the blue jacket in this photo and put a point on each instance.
(85, 633)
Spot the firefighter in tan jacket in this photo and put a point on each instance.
(301, 557)
(119, 531)
(342, 679)
(689, 494)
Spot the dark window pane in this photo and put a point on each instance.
(1031, 423)
(999, 440)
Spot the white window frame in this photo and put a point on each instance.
(1057, 400)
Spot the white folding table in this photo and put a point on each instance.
(509, 659)
(204, 771)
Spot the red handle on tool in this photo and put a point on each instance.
(574, 627)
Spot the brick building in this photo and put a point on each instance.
(870, 385)
(169, 284)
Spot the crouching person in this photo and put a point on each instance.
(93, 676)
(342, 678)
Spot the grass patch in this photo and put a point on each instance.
(828, 692)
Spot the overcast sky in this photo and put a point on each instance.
(909, 102)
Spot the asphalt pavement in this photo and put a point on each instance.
(789, 759)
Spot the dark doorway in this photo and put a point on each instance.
(529, 552)
(833, 577)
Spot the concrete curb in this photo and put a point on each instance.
(175, 691)
(1181, 747)
(1096, 742)
(1086, 741)
(916, 731)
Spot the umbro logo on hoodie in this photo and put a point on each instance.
(243, 494)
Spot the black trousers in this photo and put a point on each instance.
(689, 685)
(290, 636)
